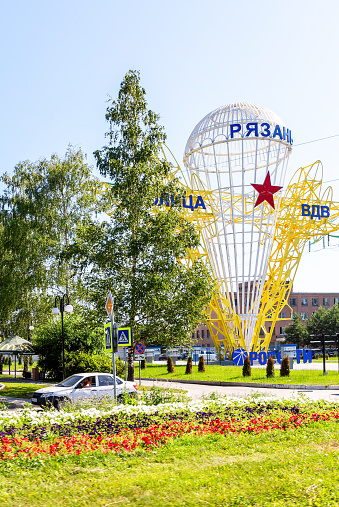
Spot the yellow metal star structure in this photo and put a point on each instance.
(292, 233)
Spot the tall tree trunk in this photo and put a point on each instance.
(26, 361)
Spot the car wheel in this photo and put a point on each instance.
(59, 402)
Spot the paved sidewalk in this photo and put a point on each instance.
(16, 403)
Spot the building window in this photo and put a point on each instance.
(208, 333)
(209, 345)
(304, 302)
(193, 336)
(261, 332)
(282, 330)
(198, 335)
(283, 315)
(326, 301)
(304, 315)
(293, 301)
(203, 345)
(315, 302)
(203, 333)
(235, 301)
(336, 301)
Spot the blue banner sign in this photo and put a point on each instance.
(239, 355)
(255, 129)
(316, 211)
(182, 202)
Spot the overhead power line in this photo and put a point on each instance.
(316, 140)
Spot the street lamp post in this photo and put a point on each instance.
(63, 303)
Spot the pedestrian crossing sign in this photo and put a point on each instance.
(125, 337)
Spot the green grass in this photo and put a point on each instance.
(277, 469)
(234, 374)
(20, 390)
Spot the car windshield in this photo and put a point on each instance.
(70, 381)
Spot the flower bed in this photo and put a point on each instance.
(126, 428)
(153, 436)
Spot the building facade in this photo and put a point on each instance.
(304, 303)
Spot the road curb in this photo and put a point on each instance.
(245, 384)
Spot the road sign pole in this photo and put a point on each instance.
(113, 361)
(125, 363)
(324, 353)
(110, 313)
(139, 373)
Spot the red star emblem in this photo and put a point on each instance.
(266, 191)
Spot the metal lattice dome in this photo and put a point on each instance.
(215, 125)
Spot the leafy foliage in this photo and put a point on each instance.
(40, 207)
(138, 250)
(83, 362)
(297, 332)
(80, 335)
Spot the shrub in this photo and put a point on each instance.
(143, 364)
(327, 356)
(201, 364)
(82, 362)
(285, 367)
(335, 355)
(170, 365)
(5, 360)
(270, 367)
(316, 356)
(246, 369)
(189, 365)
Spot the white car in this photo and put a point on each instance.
(83, 386)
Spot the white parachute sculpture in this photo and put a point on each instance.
(232, 148)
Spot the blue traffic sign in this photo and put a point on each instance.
(140, 348)
(124, 337)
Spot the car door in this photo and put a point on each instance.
(86, 388)
(106, 386)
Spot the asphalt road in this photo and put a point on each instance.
(197, 391)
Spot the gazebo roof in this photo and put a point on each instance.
(16, 345)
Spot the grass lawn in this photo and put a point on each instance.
(276, 469)
(234, 374)
(20, 390)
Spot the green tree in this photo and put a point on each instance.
(136, 253)
(80, 335)
(320, 323)
(41, 205)
(297, 332)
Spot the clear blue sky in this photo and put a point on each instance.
(60, 60)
